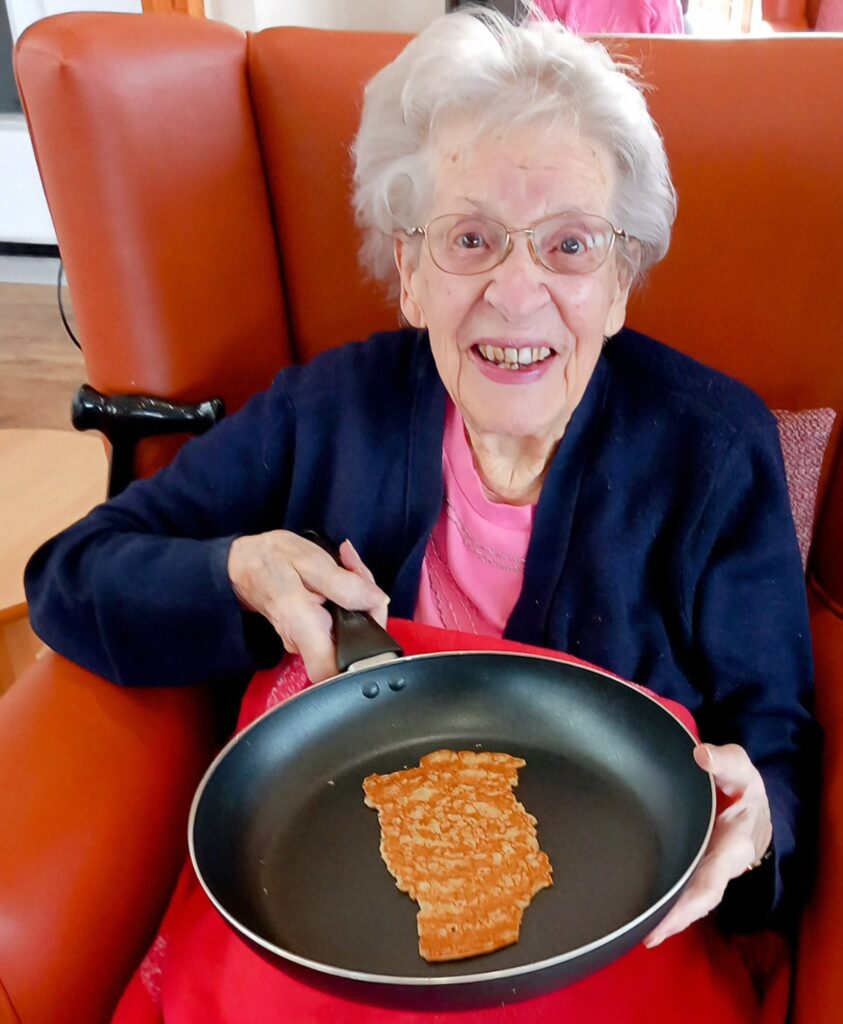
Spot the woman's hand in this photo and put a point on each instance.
(287, 580)
(742, 833)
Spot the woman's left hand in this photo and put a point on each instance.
(741, 835)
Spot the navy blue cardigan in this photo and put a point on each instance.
(663, 547)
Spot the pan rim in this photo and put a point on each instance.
(418, 981)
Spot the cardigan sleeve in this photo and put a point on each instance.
(138, 591)
(752, 648)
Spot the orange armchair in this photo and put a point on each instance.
(190, 171)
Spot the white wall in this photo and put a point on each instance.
(24, 12)
(24, 216)
(378, 15)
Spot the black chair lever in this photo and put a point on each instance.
(127, 419)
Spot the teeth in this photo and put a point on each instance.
(513, 358)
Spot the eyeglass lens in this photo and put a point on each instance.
(570, 243)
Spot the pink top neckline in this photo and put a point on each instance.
(473, 566)
(459, 459)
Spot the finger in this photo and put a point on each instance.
(305, 628)
(321, 574)
(740, 831)
(737, 778)
(692, 905)
(696, 902)
(730, 850)
(670, 925)
(750, 818)
(730, 765)
(353, 562)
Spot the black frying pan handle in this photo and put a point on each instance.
(356, 634)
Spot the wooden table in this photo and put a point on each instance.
(48, 480)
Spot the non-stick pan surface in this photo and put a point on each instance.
(287, 850)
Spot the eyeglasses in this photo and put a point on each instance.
(567, 243)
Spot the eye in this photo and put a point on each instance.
(573, 243)
(465, 243)
(469, 240)
(468, 235)
(569, 242)
(572, 246)
(567, 246)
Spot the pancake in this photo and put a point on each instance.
(455, 839)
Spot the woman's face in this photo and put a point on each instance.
(518, 180)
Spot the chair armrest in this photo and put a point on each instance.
(96, 786)
(819, 981)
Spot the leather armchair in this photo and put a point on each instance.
(197, 178)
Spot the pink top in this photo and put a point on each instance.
(637, 16)
(474, 564)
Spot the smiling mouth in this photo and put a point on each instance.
(513, 358)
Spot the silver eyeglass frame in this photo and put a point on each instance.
(617, 233)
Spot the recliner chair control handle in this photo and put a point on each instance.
(127, 419)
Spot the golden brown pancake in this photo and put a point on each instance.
(455, 838)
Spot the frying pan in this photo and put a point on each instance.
(288, 853)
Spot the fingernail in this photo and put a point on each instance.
(708, 757)
(651, 943)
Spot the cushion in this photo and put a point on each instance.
(804, 437)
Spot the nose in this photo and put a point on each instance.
(517, 287)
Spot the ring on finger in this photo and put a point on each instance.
(768, 853)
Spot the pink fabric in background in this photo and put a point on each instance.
(662, 17)
(474, 563)
(830, 16)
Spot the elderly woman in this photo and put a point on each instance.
(514, 462)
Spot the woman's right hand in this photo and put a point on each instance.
(287, 579)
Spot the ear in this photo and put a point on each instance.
(406, 260)
(626, 265)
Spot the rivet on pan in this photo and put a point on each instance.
(397, 684)
(371, 690)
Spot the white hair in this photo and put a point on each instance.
(494, 74)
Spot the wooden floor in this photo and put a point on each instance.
(40, 368)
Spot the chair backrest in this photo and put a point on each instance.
(193, 173)
(751, 283)
(150, 158)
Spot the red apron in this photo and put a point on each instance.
(198, 969)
